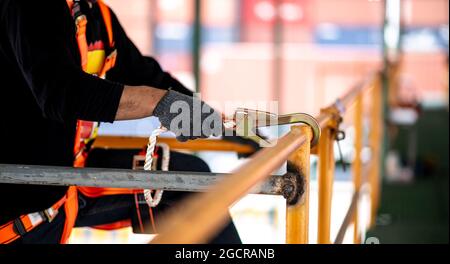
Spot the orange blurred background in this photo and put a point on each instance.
(326, 45)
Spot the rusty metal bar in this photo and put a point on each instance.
(357, 162)
(327, 120)
(120, 142)
(323, 119)
(132, 179)
(199, 217)
(325, 182)
(297, 214)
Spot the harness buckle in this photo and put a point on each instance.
(49, 214)
(80, 23)
(18, 227)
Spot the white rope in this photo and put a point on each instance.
(153, 201)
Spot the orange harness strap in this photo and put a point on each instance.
(106, 14)
(71, 210)
(86, 131)
(109, 63)
(86, 134)
(13, 230)
(81, 23)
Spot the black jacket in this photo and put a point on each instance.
(43, 91)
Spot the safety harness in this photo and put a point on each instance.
(85, 136)
(87, 131)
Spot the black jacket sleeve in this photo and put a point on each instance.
(132, 68)
(42, 39)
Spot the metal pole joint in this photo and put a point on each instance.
(336, 111)
(293, 186)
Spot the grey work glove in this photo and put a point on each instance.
(188, 117)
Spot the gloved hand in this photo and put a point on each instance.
(188, 117)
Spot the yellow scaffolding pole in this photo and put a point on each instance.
(199, 217)
(196, 220)
(325, 182)
(297, 215)
(357, 162)
(375, 139)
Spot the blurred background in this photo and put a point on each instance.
(304, 54)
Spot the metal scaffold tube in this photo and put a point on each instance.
(199, 217)
(132, 179)
(297, 213)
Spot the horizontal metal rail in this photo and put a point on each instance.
(198, 218)
(346, 101)
(121, 142)
(131, 179)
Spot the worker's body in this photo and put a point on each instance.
(45, 91)
(112, 208)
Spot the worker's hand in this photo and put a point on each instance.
(188, 117)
